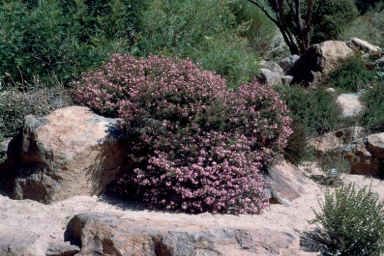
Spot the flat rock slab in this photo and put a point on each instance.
(286, 183)
(14, 242)
(107, 234)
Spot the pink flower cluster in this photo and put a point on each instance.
(195, 145)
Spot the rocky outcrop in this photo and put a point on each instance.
(361, 45)
(286, 182)
(105, 234)
(72, 151)
(366, 154)
(317, 61)
(335, 141)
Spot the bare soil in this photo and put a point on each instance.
(49, 221)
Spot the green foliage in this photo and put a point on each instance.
(204, 30)
(351, 76)
(365, 6)
(315, 109)
(62, 37)
(373, 100)
(297, 149)
(334, 17)
(351, 222)
(15, 105)
(261, 30)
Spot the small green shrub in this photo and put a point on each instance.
(351, 222)
(315, 109)
(351, 76)
(297, 149)
(373, 99)
(15, 105)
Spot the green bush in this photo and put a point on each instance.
(373, 100)
(315, 109)
(204, 30)
(297, 149)
(336, 16)
(351, 222)
(351, 76)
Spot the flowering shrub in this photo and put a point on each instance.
(195, 145)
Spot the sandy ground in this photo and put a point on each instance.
(49, 221)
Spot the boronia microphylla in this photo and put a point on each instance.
(195, 145)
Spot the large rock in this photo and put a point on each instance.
(286, 182)
(317, 61)
(358, 44)
(335, 141)
(105, 234)
(366, 154)
(72, 151)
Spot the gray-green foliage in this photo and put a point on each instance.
(15, 105)
(351, 222)
(204, 30)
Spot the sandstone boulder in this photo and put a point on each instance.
(286, 182)
(366, 154)
(71, 151)
(334, 141)
(358, 44)
(105, 234)
(317, 61)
